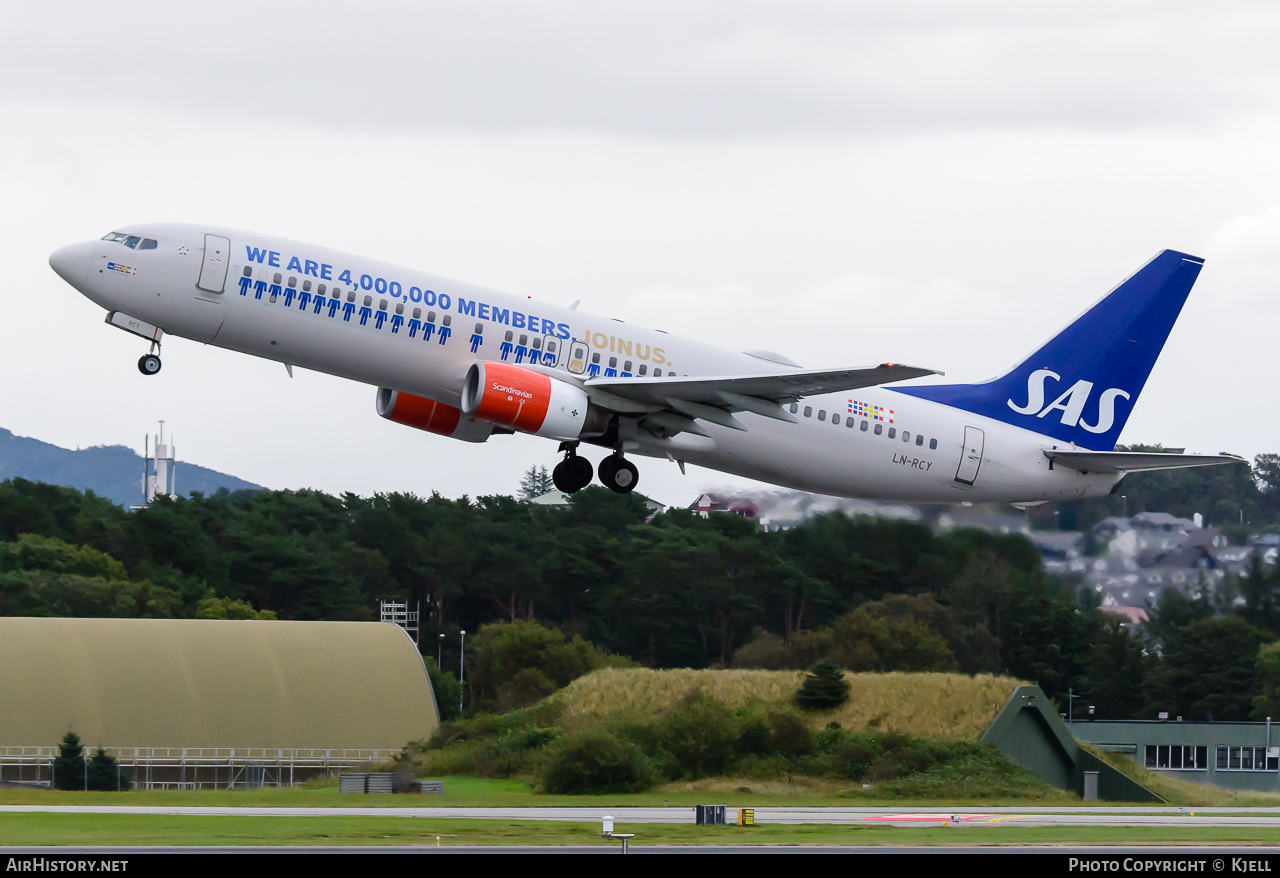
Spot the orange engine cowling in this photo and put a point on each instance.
(427, 414)
(529, 401)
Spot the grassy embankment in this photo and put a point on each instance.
(951, 706)
(1183, 792)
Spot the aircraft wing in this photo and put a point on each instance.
(776, 387)
(1133, 461)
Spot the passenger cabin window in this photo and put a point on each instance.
(382, 304)
(848, 422)
(293, 283)
(794, 408)
(893, 431)
(248, 271)
(906, 437)
(643, 368)
(431, 317)
(657, 373)
(808, 411)
(351, 296)
(933, 443)
(368, 300)
(822, 414)
(508, 336)
(626, 367)
(306, 285)
(879, 429)
(276, 278)
(595, 358)
(863, 426)
(320, 290)
(919, 439)
(417, 313)
(399, 307)
(613, 362)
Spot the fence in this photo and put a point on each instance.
(190, 768)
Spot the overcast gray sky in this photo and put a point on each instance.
(937, 183)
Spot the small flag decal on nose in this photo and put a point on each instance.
(123, 269)
(869, 411)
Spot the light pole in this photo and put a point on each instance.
(1071, 699)
(1126, 505)
(462, 658)
(439, 650)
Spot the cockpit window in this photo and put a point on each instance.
(136, 242)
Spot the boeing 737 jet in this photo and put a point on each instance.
(470, 363)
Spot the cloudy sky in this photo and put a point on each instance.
(936, 183)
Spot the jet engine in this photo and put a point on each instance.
(434, 417)
(530, 402)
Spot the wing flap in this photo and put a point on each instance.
(1133, 461)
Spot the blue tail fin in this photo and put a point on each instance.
(1082, 385)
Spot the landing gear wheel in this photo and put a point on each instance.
(579, 473)
(149, 364)
(572, 474)
(618, 474)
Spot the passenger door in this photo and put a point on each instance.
(213, 270)
(970, 456)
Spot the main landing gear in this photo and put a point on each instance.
(618, 474)
(573, 473)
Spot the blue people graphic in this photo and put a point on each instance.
(548, 357)
(333, 306)
(396, 322)
(379, 319)
(593, 368)
(414, 323)
(274, 290)
(348, 308)
(303, 298)
(245, 283)
(259, 287)
(445, 331)
(521, 350)
(611, 373)
(427, 330)
(476, 338)
(365, 313)
(505, 348)
(288, 296)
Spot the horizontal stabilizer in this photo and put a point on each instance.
(1133, 461)
(776, 386)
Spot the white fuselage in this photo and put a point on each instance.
(921, 463)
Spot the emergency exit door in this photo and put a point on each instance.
(213, 270)
(970, 456)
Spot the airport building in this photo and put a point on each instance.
(202, 703)
(1236, 756)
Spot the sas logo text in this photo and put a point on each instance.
(1071, 403)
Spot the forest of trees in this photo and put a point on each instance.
(672, 590)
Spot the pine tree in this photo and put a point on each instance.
(104, 773)
(824, 686)
(68, 768)
(535, 483)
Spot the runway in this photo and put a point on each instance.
(958, 817)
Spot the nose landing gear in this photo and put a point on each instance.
(573, 473)
(149, 364)
(618, 474)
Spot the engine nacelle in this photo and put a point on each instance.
(434, 417)
(530, 402)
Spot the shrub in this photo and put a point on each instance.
(700, 733)
(515, 664)
(596, 762)
(824, 686)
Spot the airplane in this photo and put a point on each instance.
(470, 363)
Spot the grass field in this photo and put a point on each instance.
(927, 705)
(486, 792)
(128, 829)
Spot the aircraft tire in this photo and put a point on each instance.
(578, 472)
(148, 364)
(560, 478)
(619, 474)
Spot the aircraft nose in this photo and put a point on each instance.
(72, 262)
